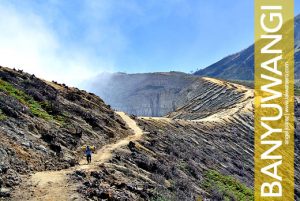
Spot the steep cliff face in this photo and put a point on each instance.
(157, 94)
(148, 94)
(43, 125)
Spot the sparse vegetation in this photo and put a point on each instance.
(61, 118)
(33, 105)
(183, 166)
(52, 108)
(159, 198)
(297, 87)
(297, 91)
(2, 116)
(227, 188)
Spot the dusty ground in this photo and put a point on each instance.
(55, 185)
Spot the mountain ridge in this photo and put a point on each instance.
(240, 65)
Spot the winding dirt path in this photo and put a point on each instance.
(54, 185)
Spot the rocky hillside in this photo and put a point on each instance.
(202, 150)
(43, 125)
(163, 166)
(208, 96)
(240, 66)
(177, 160)
(184, 160)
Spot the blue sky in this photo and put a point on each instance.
(73, 40)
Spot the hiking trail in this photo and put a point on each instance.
(54, 185)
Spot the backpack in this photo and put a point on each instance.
(92, 148)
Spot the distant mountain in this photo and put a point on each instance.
(240, 66)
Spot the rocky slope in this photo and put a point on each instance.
(189, 155)
(240, 66)
(43, 125)
(208, 96)
(183, 159)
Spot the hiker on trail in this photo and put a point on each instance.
(88, 153)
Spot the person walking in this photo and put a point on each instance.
(88, 153)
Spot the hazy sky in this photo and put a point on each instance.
(72, 40)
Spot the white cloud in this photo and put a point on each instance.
(28, 43)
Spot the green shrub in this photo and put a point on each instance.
(159, 198)
(61, 119)
(183, 166)
(297, 91)
(34, 106)
(2, 116)
(226, 187)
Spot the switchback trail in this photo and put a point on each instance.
(54, 185)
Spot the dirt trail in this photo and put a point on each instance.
(54, 186)
(105, 153)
